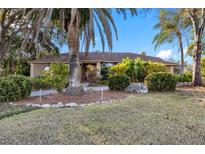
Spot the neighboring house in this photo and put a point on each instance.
(95, 59)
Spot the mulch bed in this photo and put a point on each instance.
(89, 97)
(195, 91)
(191, 89)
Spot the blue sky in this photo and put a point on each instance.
(136, 35)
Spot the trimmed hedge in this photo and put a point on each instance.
(118, 82)
(24, 84)
(186, 77)
(38, 83)
(14, 87)
(161, 81)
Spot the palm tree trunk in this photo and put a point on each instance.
(182, 52)
(197, 65)
(74, 87)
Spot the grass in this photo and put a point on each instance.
(7, 110)
(154, 118)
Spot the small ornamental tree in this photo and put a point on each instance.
(57, 76)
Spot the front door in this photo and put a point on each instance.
(89, 71)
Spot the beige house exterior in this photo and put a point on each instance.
(95, 59)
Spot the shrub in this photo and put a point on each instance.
(38, 83)
(155, 67)
(24, 84)
(14, 87)
(105, 72)
(118, 82)
(203, 67)
(160, 81)
(104, 82)
(136, 69)
(118, 69)
(57, 76)
(186, 77)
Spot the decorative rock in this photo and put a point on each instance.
(104, 102)
(137, 87)
(82, 104)
(70, 105)
(46, 105)
(35, 105)
(184, 83)
(11, 103)
(58, 105)
(91, 104)
(28, 105)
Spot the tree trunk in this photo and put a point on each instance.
(197, 65)
(182, 53)
(74, 87)
(198, 23)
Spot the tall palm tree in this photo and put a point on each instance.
(73, 24)
(82, 22)
(172, 26)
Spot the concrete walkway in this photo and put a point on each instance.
(85, 87)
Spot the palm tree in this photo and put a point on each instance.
(171, 25)
(73, 24)
(82, 21)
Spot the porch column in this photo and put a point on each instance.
(172, 69)
(98, 69)
(31, 70)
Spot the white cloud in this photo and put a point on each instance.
(165, 54)
(185, 50)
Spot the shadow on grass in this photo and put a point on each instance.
(8, 110)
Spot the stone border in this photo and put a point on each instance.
(72, 104)
(184, 84)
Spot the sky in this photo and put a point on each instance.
(136, 35)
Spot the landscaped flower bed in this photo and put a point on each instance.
(89, 97)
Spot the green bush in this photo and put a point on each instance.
(203, 67)
(38, 83)
(153, 67)
(136, 69)
(105, 72)
(14, 87)
(186, 77)
(118, 82)
(160, 81)
(57, 76)
(24, 83)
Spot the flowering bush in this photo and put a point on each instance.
(136, 69)
(57, 76)
(155, 67)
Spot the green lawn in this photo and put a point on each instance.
(154, 118)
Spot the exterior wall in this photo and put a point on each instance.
(37, 69)
(98, 66)
(170, 68)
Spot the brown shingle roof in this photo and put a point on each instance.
(100, 56)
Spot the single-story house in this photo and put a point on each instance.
(96, 59)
